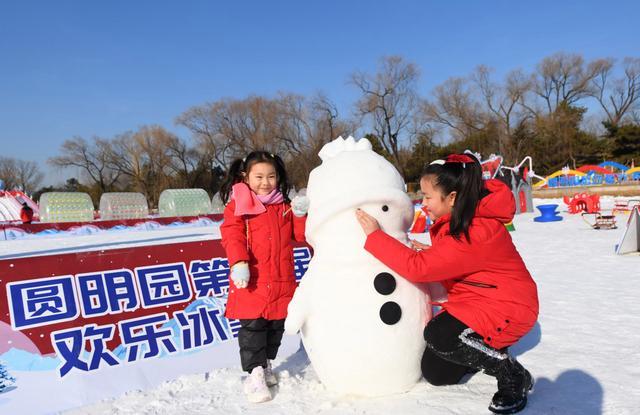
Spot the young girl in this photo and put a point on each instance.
(492, 299)
(259, 224)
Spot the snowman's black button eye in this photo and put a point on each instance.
(385, 208)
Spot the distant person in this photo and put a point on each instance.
(26, 213)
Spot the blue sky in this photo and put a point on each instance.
(87, 68)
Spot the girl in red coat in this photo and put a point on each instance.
(492, 299)
(258, 228)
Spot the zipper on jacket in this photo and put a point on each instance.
(476, 284)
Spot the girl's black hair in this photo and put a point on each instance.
(240, 166)
(466, 180)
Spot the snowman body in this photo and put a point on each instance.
(361, 323)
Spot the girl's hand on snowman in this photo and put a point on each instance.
(369, 223)
(240, 274)
(418, 246)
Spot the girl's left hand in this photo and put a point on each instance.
(369, 223)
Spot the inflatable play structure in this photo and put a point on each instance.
(605, 173)
(64, 207)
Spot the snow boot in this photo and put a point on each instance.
(514, 381)
(255, 386)
(269, 376)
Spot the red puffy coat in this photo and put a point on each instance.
(489, 288)
(264, 241)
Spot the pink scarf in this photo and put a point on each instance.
(249, 203)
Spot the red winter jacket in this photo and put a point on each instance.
(264, 241)
(489, 288)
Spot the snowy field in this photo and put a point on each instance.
(584, 352)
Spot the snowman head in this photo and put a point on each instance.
(353, 176)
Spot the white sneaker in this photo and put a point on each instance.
(255, 386)
(269, 376)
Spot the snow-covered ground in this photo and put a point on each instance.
(584, 352)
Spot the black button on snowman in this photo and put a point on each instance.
(385, 284)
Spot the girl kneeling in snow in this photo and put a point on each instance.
(259, 225)
(492, 299)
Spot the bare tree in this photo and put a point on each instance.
(617, 97)
(7, 172)
(503, 103)
(229, 129)
(455, 107)
(144, 158)
(21, 174)
(185, 162)
(92, 158)
(28, 175)
(288, 124)
(564, 79)
(389, 102)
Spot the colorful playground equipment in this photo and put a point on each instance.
(624, 206)
(421, 222)
(601, 221)
(605, 173)
(583, 202)
(548, 213)
(519, 181)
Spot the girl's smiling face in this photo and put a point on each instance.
(437, 203)
(261, 178)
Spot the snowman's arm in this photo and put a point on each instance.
(447, 259)
(297, 310)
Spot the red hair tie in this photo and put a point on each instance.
(459, 158)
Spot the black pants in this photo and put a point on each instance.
(259, 340)
(442, 335)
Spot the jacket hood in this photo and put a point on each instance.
(499, 203)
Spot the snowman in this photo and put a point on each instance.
(361, 323)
